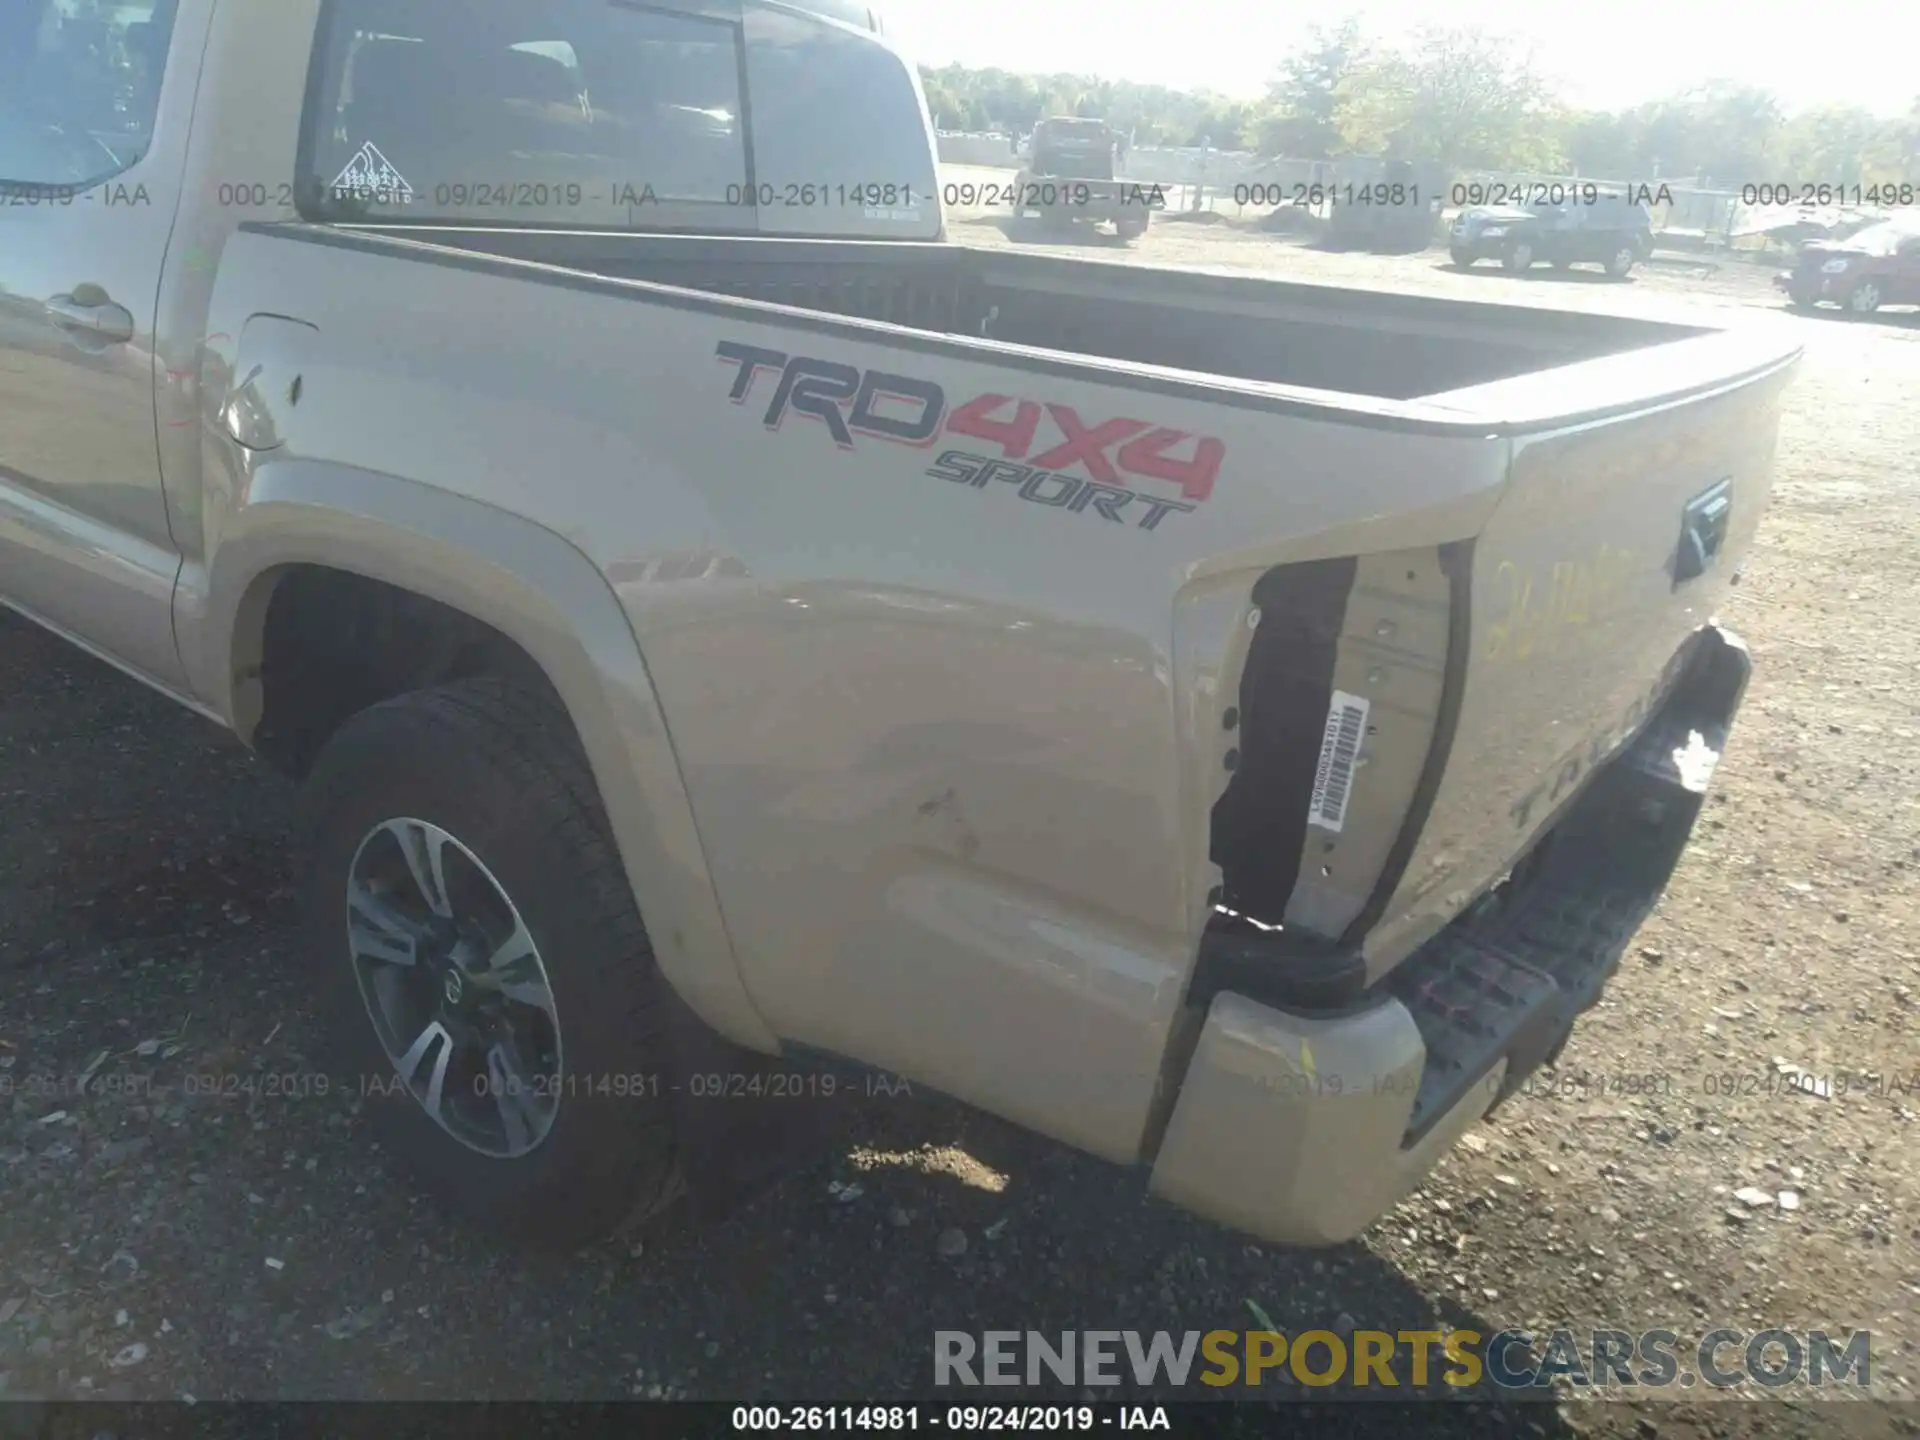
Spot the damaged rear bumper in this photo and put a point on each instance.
(1304, 1126)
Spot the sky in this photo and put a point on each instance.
(1603, 56)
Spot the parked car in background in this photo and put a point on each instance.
(1572, 226)
(1878, 266)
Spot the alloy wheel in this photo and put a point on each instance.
(454, 987)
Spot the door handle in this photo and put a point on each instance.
(99, 319)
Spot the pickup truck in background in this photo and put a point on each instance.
(1071, 177)
(1230, 726)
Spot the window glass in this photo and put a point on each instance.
(496, 112)
(839, 130)
(79, 87)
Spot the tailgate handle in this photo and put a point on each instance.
(1703, 530)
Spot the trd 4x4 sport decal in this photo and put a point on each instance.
(1035, 444)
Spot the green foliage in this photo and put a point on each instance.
(1462, 97)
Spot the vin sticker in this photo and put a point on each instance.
(1339, 748)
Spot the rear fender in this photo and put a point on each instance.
(532, 586)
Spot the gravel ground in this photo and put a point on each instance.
(157, 1240)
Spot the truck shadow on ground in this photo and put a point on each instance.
(290, 1261)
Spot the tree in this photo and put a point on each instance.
(1462, 97)
(1718, 133)
(1841, 146)
(1607, 145)
(1311, 91)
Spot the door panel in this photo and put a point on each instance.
(93, 126)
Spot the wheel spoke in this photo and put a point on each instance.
(514, 970)
(408, 1064)
(377, 930)
(513, 1097)
(425, 849)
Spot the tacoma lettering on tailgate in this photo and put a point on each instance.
(1132, 470)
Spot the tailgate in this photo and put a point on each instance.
(1617, 537)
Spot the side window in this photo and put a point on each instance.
(494, 112)
(79, 87)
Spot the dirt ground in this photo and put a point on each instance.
(158, 1241)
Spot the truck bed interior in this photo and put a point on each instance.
(1350, 341)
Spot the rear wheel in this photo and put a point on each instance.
(1519, 257)
(1462, 259)
(1130, 227)
(1864, 298)
(1622, 261)
(492, 992)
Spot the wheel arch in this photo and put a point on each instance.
(532, 588)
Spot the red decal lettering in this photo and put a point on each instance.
(1148, 456)
(1014, 437)
(1089, 447)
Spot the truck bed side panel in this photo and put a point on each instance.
(925, 709)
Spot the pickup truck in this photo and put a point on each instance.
(1230, 726)
(1070, 178)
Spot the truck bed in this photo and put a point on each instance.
(1024, 625)
(1352, 342)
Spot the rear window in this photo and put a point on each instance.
(839, 130)
(595, 114)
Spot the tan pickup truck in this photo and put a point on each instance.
(1230, 726)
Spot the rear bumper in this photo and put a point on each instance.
(1303, 1128)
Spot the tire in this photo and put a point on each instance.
(1131, 229)
(1519, 257)
(495, 768)
(1462, 259)
(1620, 264)
(1864, 298)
